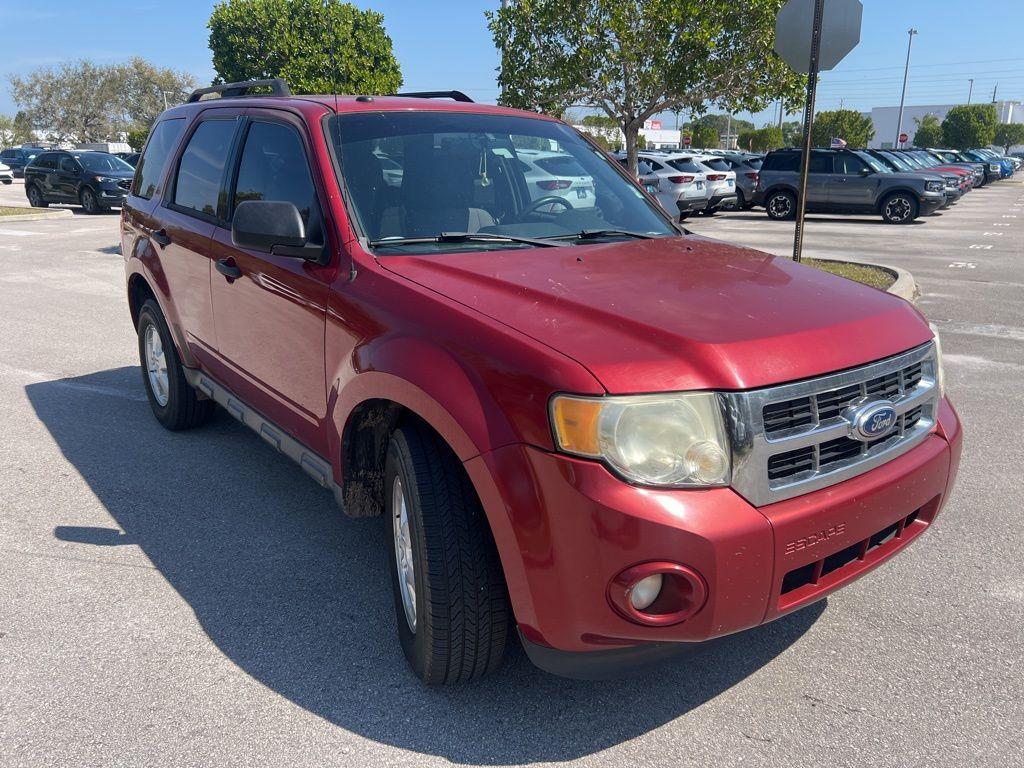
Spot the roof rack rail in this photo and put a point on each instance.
(453, 95)
(278, 87)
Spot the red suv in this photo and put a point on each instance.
(645, 440)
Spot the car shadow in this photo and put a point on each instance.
(297, 595)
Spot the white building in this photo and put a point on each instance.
(655, 137)
(885, 119)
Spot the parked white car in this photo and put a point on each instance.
(679, 184)
(6, 175)
(721, 182)
(557, 174)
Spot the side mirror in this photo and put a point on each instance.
(272, 227)
(866, 171)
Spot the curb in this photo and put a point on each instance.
(63, 213)
(903, 284)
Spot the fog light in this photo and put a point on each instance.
(645, 591)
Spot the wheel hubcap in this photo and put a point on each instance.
(403, 553)
(780, 206)
(898, 209)
(156, 366)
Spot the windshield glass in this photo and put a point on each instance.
(873, 162)
(925, 159)
(898, 161)
(463, 173)
(101, 161)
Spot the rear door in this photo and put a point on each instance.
(818, 173)
(193, 205)
(271, 310)
(65, 180)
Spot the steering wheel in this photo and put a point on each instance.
(546, 200)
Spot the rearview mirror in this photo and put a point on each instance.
(272, 227)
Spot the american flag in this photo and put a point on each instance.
(838, 144)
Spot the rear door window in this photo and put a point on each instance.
(150, 168)
(201, 169)
(47, 160)
(820, 163)
(274, 167)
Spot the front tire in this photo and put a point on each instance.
(35, 197)
(450, 598)
(89, 201)
(175, 403)
(899, 208)
(780, 205)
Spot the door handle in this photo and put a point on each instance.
(161, 237)
(228, 268)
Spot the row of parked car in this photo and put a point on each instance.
(900, 185)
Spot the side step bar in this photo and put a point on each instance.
(311, 462)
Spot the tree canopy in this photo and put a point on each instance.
(633, 59)
(970, 126)
(1009, 135)
(86, 101)
(15, 130)
(846, 124)
(929, 131)
(316, 46)
(761, 139)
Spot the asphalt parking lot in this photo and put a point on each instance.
(193, 599)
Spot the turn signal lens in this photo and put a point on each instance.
(575, 422)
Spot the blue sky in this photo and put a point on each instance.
(447, 45)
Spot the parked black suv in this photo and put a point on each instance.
(846, 181)
(94, 180)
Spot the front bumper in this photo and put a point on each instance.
(111, 194)
(566, 527)
(931, 202)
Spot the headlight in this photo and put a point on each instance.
(669, 440)
(952, 183)
(993, 167)
(940, 375)
(933, 186)
(106, 179)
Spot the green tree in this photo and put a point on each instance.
(316, 46)
(1009, 135)
(15, 130)
(703, 136)
(761, 139)
(86, 101)
(929, 131)
(846, 124)
(792, 132)
(633, 59)
(970, 126)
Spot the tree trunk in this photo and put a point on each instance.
(631, 130)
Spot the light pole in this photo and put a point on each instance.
(970, 91)
(906, 69)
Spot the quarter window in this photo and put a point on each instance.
(202, 167)
(151, 166)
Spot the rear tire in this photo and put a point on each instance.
(899, 208)
(35, 197)
(175, 404)
(458, 625)
(780, 205)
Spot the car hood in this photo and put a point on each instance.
(676, 313)
(113, 174)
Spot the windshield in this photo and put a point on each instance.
(462, 173)
(925, 159)
(101, 161)
(875, 164)
(896, 160)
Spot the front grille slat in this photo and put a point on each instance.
(798, 418)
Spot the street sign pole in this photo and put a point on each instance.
(805, 155)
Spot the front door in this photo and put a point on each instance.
(852, 184)
(271, 311)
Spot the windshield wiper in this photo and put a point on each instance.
(465, 237)
(596, 234)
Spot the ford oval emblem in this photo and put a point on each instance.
(871, 421)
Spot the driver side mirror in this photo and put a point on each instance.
(273, 227)
(865, 171)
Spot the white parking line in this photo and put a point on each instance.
(18, 232)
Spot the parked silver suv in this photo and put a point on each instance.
(846, 181)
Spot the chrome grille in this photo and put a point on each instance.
(793, 438)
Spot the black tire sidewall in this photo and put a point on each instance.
(399, 462)
(39, 201)
(167, 415)
(86, 194)
(792, 206)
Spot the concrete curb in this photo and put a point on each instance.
(903, 284)
(63, 213)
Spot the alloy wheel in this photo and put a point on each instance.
(156, 366)
(403, 552)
